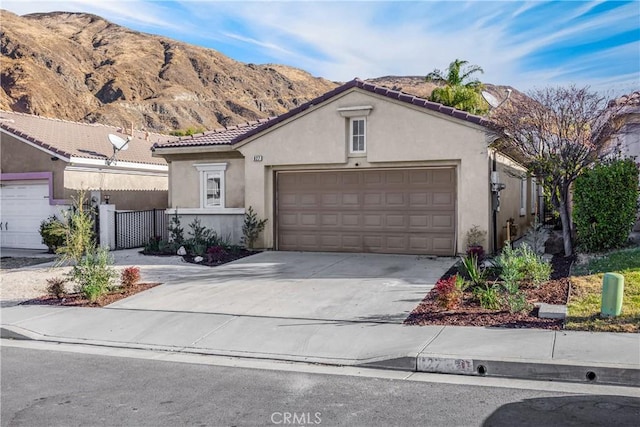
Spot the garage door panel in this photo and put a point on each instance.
(372, 221)
(443, 199)
(387, 211)
(395, 199)
(23, 206)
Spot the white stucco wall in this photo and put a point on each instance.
(398, 135)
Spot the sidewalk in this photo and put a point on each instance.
(604, 358)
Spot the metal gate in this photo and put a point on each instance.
(134, 229)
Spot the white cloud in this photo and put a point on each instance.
(341, 40)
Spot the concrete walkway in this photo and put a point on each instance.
(338, 334)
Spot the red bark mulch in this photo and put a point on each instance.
(469, 312)
(79, 300)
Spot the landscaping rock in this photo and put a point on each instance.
(198, 259)
(182, 251)
(552, 311)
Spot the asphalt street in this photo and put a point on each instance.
(41, 387)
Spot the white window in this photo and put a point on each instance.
(357, 136)
(212, 184)
(523, 196)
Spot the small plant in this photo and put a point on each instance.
(176, 232)
(252, 227)
(489, 296)
(79, 238)
(472, 269)
(216, 254)
(56, 287)
(523, 264)
(536, 236)
(448, 295)
(94, 274)
(130, 276)
(461, 283)
(200, 234)
(516, 302)
(53, 233)
(475, 236)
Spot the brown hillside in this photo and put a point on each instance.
(81, 67)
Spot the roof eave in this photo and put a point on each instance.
(186, 149)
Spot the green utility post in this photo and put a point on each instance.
(612, 291)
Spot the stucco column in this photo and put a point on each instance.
(107, 226)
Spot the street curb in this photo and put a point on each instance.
(542, 370)
(559, 370)
(17, 333)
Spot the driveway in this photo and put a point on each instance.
(296, 285)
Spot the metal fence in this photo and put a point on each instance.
(134, 229)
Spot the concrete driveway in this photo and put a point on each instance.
(295, 285)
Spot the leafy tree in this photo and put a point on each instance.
(557, 132)
(457, 88)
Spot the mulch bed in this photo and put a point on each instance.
(78, 300)
(469, 312)
(227, 257)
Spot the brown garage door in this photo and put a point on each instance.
(402, 211)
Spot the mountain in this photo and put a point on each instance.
(80, 67)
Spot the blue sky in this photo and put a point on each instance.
(522, 44)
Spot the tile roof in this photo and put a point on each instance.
(235, 134)
(369, 87)
(222, 136)
(72, 139)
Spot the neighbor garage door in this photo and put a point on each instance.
(22, 208)
(401, 211)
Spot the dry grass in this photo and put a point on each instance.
(585, 299)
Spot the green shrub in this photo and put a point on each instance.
(489, 296)
(176, 232)
(522, 265)
(79, 237)
(252, 227)
(516, 302)
(53, 233)
(94, 274)
(605, 204)
(472, 270)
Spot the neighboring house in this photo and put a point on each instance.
(359, 169)
(629, 136)
(46, 161)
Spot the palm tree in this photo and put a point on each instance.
(453, 76)
(457, 90)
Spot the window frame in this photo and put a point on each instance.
(523, 196)
(534, 195)
(211, 171)
(352, 135)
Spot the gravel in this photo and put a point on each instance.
(23, 283)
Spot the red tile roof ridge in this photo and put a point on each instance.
(369, 87)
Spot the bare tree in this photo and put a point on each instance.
(556, 133)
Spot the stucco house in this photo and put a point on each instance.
(361, 168)
(629, 136)
(45, 161)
